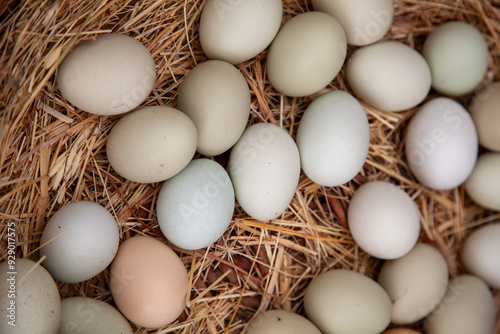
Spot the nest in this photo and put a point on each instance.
(52, 153)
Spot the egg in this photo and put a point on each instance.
(333, 138)
(481, 254)
(389, 75)
(416, 283)
(306, 54)
(216, 97)
(467, 307)
(148, 282)
(483, 185)
(151, 144)
(195, 207)
(384, 221)
(89, 316)
(343, 301)
(238, 30)
(441, 144)
(110, 75)
(80, 240)
(283, 322)
(364, 21)
(30, 299)
(457, 54)
(485, 112)
(401, 331)
(264, 167)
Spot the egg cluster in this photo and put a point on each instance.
(114, 74)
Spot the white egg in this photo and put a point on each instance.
(299, 65)
(215, 95)
(195, 207)
(333, 139)
(481, 254)
(89, 316)
(483, 185)
(416, 283)
(384, 220)
(283, 322)
(238, 30)
(485, 111)
(441, 144)
(389, 75)
(264, 166)
(110, 75)
(457, 54)
(364, 21)
(82, 239)
(151, 144)
(30, 299)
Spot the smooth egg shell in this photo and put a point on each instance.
(284, 322)
(110, 75)
(485, 111)
(401, 331)
(483, 185)
(148, 282)
(333, 139)
(299, 65)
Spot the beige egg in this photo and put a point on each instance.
(299, 65)
(483, 185)
(466, 308)
(364, 21)
(401, 331)
(416, 283)
(110, 75)
(151, 144)
(30, 301)
(238, 30)
(283, 322)
(337, 300)
(215, 95)
(148, 282)
(485, 111)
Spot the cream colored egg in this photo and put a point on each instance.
(307, 54)
(416, 283)
(441, 144)
(466, 308)
(389, 75)
(364, 21)
(110, 75)
(457, 54)
(30, 301)
(401, 331)
(81, 315)
(238, 30)
(345, 302)
(151, 144)
(264, 167)
(333, 139)
(384, 221)
(485, 111)
(481, 254)
(216, 97)
(483, 185)
(283, 322)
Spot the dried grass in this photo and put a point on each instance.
(52, 154)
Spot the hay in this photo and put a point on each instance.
(52, 154)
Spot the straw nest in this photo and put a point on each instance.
(52, 153)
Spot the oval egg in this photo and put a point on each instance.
(298, 65)
(110, 75)
(389, 75)
(82, 239)
(441, 144)
(238, 30)
(333, 138)
(194, 208)
(401, 331)
(336, 300)
(151, 144)
(264, 167)
(279, 321)
(148, 282)
(485, 111)
(215, 95)
(483, 185)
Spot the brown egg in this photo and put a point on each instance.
(148, 282)
(401, 331)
